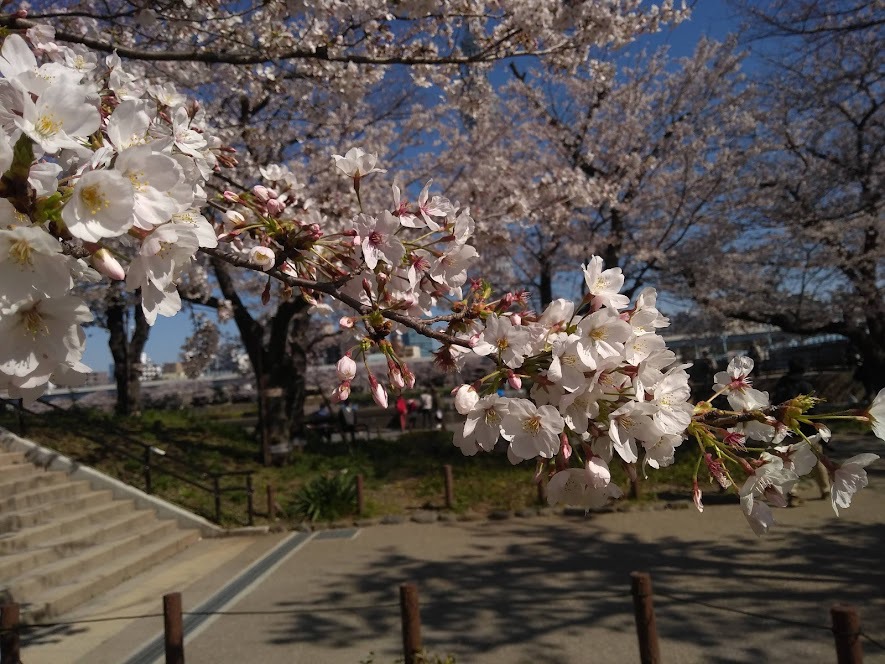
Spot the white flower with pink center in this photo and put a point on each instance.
(511, 342)
(850, 478)
(532, 431)
(604, 285)
(377, 238)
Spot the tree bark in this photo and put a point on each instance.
(126, 351)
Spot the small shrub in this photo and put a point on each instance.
(326, 498)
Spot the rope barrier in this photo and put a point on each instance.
(361, 607)
(751, 614)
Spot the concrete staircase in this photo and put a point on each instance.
(63, 542)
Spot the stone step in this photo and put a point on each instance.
(27, 479)
(86, 561)
(65, 525)
(63, 598)
(29, 517)
(13, 471)
(23, 562)
(12, 458)
(42, 494)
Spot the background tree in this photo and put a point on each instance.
(805, 251)
(626, 159)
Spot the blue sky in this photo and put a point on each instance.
(712, 18)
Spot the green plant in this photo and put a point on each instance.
(326, 498)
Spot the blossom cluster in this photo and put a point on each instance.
(98, 166)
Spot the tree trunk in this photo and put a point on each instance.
(278, 353)
(126, 352)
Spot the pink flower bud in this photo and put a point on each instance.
(342, 392)
(409, 377)
(262, 193)
(346, 368)
(263, 257)
(465, 398)
(275, 206)
(565, 447)
(265, 294)
(379, 394)
(234, 218)
(315, 231)
(106, 264)
(395, 376)
(514, 381)
(696, 495)
(515, 319)
(231, 197)
(346, 322)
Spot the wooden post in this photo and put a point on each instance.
(646, 629)
(10, 648)
(173, 629)
(450, 486)
(216, 491)
(408, 601)
(542, 492)
(250, 501)
(846, 630)
(360, 496)
(271, 503)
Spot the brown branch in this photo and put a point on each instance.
(240, 58)
(332, 289)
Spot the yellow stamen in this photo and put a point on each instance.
(93, 198)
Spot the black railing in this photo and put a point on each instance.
(152, 460)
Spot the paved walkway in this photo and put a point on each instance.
(553, 589)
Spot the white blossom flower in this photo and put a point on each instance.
(532, 431)
(31, 261)
(604, 285)
(850, 478)
(510, 342)
(482, 424)
(377, 239)
(629, 423)
(876, 414)
(357, 163)
(152, 175)
(58, 118)
(102, 205)
(39, 334)
(569, 362)
(574, 486)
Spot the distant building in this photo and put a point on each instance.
(173, 370)
(425, 345)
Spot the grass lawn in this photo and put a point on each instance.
(400, 475)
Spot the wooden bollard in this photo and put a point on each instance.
(173, 629)
(846, 630)
(542, 492)
(408, 601)
(450, 486)
(10, 646)
(360, 496)
(646, 629)
(271, 503)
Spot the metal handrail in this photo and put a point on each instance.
(149, 465)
